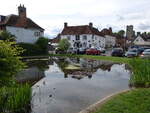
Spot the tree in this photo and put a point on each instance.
(64, 45)
(4, 35)
(10, 62)
(42, 42)
(121, 33)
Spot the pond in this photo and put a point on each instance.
(68, 85)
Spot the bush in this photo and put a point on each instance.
(4, 35)
(29, 49)
(39, 48)
(64, 45)
(10, 62)
(42, 43)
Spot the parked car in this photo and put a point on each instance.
(132, 53)
(81, 51)
(145, 54)
(70, 51)
(93, 51)
(141, 49)
(117, 52)
(101, 49)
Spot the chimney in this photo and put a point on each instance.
(65, 24)
(138, 33)
(110, 29)
(22, 11)
(91, 24)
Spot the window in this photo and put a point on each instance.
(68, 37)
(84, 37)
(84, 45)
(77, 37)
(90, 45)
(37, 34)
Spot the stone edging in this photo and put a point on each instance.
(94, 107)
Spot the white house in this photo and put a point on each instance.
(84, 36)
(141, 41)
(110, 39)
(22, 27)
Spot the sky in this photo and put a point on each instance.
(51, 14)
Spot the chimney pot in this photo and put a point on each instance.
(65, 24)
(91, 24)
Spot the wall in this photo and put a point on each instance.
(110, 41)
(90, 41)
(25, 35)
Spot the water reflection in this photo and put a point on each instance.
(86, 67)
(69, 85)
(34, 72)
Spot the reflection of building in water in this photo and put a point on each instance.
(78, 74)
(31, 75)
(90, 64)
(87, 67)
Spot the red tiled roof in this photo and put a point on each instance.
(107, 31)
(15, 21)
(79, 30)
(55, 40)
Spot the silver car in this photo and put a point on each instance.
(132, 53)
(146, 54)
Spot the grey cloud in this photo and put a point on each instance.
(144, 26)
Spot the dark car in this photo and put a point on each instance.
(93, 51)
(117, 52)
(81, 51)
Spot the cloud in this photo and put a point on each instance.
(144, 26)
(51, 14)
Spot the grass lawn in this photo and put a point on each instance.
(110, 58)
(135, 101)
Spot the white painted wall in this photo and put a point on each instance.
(91, 40)
(140, 41)
(110, 40)
(25, 35)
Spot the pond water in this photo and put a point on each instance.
(68, 85)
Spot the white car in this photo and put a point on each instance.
(146, 54)
(132, 53)
(102, 50)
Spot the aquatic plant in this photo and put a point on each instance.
(141, 73)
(15, 99)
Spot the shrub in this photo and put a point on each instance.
(64, 45)
(39, 48)
(42, 43)
(29, 49)
(4, 35)
(10, 62)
